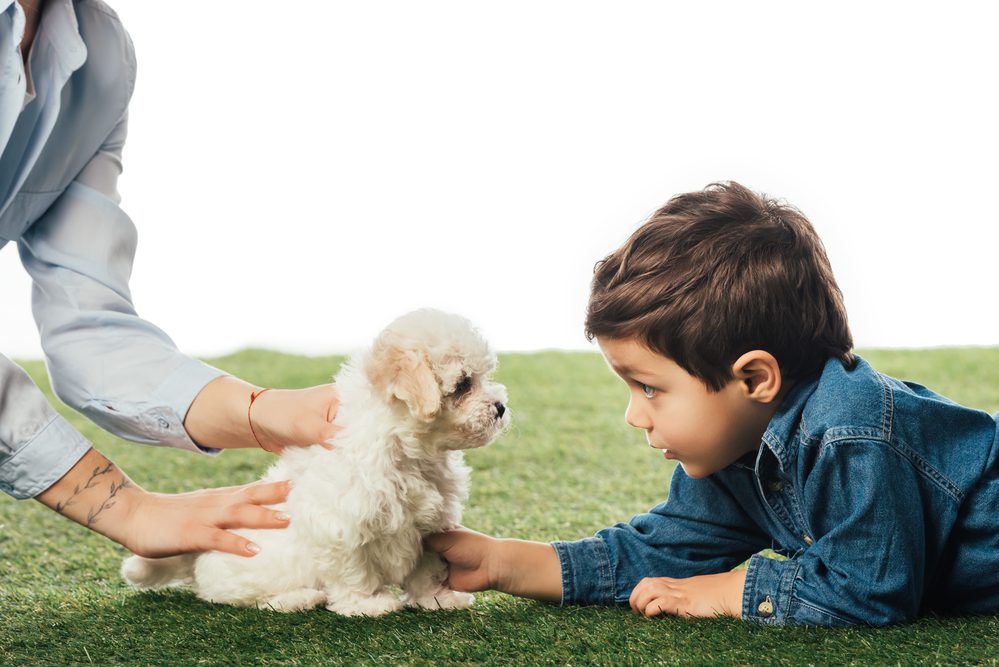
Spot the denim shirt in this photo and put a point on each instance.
(882, 495)
(63, 121)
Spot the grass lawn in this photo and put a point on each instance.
(568, 466)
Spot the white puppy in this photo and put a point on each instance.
(409, 405)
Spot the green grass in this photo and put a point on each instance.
(568, 466)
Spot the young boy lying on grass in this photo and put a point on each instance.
(722, 315)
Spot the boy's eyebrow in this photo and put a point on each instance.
(628, 370)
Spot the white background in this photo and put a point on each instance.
(301, 173)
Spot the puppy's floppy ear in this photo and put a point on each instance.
(398, 370)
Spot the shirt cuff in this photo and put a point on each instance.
(43, 459)
(766, 595)
(587, 577)
(178, 392)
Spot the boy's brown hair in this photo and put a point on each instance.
(716, 273)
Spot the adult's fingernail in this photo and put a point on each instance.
(282, 516)
(253, 548)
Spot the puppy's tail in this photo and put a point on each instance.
(147, 574)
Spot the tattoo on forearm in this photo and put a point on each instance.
(92, 481)
(92, 515)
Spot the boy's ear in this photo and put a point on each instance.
(759, 373)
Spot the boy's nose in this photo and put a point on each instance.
(636, 417)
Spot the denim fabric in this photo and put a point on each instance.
(882, 495)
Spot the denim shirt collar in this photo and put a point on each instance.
(778, 437)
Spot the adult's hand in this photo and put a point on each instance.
(295, 417)
(99, 495)
(221, 415)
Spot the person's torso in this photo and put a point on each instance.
(951, 448)
(83, 68)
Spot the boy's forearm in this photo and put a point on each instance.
(529, 569)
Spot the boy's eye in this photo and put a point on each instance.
(647, 390)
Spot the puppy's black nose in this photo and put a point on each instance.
(500, 409)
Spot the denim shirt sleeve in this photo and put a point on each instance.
(866, 562)
(122, 372)
(700, 529)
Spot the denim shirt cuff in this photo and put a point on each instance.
(766, 596)
(43, 459)
(177, 393)
(586, 571)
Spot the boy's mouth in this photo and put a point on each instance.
(667, 453)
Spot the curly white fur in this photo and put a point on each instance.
(409, 405)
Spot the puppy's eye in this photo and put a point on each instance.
(463, 386)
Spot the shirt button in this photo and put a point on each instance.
(808, 540)
(776, 486)
(766, 607)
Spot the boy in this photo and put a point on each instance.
(722, 315)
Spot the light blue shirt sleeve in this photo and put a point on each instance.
(60, 153)
(122, 372)
(37, 446)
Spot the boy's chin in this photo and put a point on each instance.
(696, 471)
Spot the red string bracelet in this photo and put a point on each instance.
(254, 396)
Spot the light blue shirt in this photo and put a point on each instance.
(63, 123)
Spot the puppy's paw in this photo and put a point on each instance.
(351, 604)
(444, 598)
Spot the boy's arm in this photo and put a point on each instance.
(532, 570)
(864, 558)
(529, 570)
(702, 529)
(478, 562)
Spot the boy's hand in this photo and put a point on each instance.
(477, 562)
(708, 595)
(469, 558)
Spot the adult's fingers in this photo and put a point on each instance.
(327, 432)
(332, 399)
(229, 490)
(246, 515)
(266, 493)
(221, 540)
